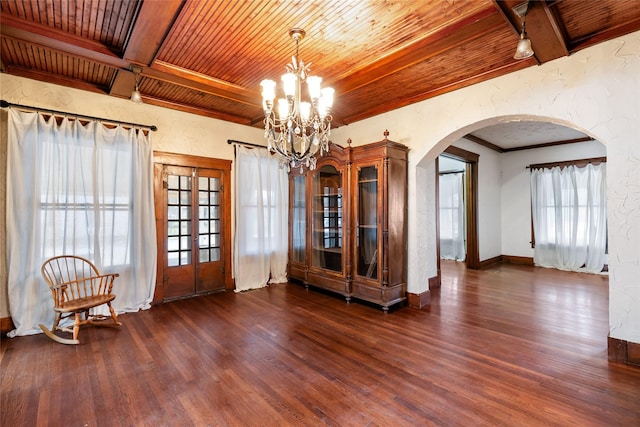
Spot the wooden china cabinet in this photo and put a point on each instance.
(378, 217)
(347, 223)
(318, 237)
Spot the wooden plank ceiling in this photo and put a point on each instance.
(208, 57)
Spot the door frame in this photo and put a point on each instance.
(472, 259)
(160, 159)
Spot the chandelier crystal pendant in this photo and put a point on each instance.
(301, 128)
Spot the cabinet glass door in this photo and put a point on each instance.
(367, 223)
(298, 225)
(327, 219)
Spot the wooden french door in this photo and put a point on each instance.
(193, 231)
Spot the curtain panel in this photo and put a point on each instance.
(75, 189)
(569, 215)
(262, 211)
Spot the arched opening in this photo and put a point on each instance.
(492, 248)
(503, 214)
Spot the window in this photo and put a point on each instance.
(81, 189)
(86, 201)
(262, 204)
(569, 216)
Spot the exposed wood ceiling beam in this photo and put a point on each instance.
(450, 37)
(543, 29)
(187, 78)
(458, 84)
(123, 84)
(151, 26)
(598, 37)
(55, 79)
(97, 52)
(547, 37)
(60, 41)
(194, 110)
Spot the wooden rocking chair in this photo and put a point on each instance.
(77, 287)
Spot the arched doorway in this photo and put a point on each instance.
(508, 237)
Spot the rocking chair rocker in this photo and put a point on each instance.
(77, 287)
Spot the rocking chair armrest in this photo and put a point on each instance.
(72, 282)
(88, 286)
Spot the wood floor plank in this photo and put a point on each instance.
(508, 346)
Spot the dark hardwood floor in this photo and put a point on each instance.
(512, 346)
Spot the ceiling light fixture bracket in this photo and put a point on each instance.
(521, 9)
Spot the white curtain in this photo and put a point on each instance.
(262, 209)
(570, 217)
(75, 189)
(452, 214)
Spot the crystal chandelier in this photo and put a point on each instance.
(300, 129)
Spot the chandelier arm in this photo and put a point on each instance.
(277, 146)
(290, 141)
(291, 154)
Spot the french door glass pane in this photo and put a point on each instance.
(173, 228)
(204, 255)
(209, 224)
(172, 259)
(179, 220)
(185, 257)
(185, 228)
(185, 211)
(173, 212)
(173, 244)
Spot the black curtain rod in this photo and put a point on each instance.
(450, 172)
(248, 144)
(5, 104)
